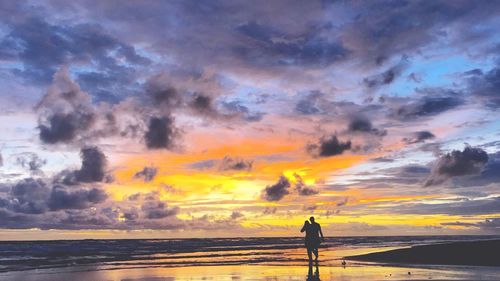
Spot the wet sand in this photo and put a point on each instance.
(479, 253)
(257, 273)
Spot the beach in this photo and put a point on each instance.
(478, 253)
(226, 259)
(259, 272)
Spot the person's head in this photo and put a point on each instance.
(306, 222)
(311, 219)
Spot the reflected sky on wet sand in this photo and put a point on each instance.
(257, 272)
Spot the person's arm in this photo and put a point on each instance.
(303, 228)
(321, 232)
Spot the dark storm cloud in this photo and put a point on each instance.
(66, 198)
(93, 167)
(66, 115)
(206, 106)
(363, 125)
(147, 174)
(62, 127)
(276, 191)
(161, 133)
(237, 164)
(203, 104)
(302, 188)
(31, 161)
(419, 136)
(65, 112)
(34, 196)
(28, 196)
(154, 209)
(470, 161)
(489, 174)
(428, 106)
(260, 46)
(486, 86)
(328, 146)
(384, 29)
(167, 97)
(42, 47)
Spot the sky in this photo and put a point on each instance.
(161, 119)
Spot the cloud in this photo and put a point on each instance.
(386, 77)
(164, 97)
(411, 175)
(488, 175)
(67, 115)
(203, 104)
(65, 111)
(419, 136)
(428, 106)
(238, 164)
(63, 198)
(363, 125)
(28, 196)
(93, 168)
(310, 104)
(236, 215)
(302, 188)
(147, 174)
(46, 46)
(204, 164)
(31, 161)
(470, 161)
(270, 211)
(328, 147)
(34, 196)
(276, 191)
(237, 108)
(342, 202)
(62, 127)
(383, 30)
(155, 209)
(489, 224)
(485, 86)
(161, 133)
(260, 45)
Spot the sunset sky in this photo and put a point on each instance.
(152, 119)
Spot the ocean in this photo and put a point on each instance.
(151, 253)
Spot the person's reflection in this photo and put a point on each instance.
(313, 276)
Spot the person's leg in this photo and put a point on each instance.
(315, 251)
(309, 254)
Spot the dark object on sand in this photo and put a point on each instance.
(483, 253)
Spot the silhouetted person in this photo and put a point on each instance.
(310, 275)
(312, 239)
